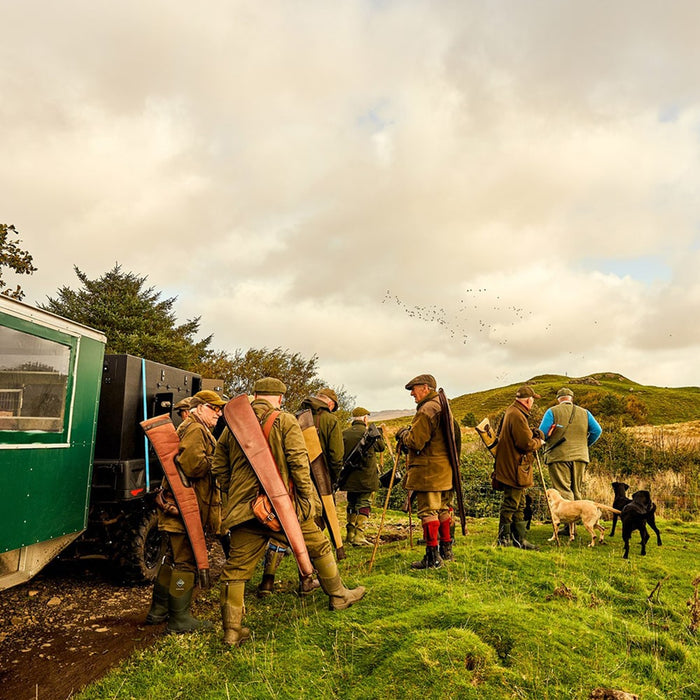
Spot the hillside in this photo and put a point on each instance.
(662, 404)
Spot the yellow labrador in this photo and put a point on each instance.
(589, 512)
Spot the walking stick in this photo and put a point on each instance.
(549, 507)
(386, 502)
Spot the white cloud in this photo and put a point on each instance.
(281, 167)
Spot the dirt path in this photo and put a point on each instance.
(68, 626)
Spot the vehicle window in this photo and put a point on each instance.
(33, 382)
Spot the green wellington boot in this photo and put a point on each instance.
(159, 604)
(339, 597)
(179, 601)
(232, 609)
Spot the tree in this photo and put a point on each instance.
(135, 319)
(12, 256)
(240, 371)
(469, 420)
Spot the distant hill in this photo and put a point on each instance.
(662, 404)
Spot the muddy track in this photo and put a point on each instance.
(68, 626)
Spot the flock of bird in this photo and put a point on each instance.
(468, 318)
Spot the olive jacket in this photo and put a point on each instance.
(517, 443)
(428, 462)
(365, 478)
(240, 485)
(195, 456)
(330, 434)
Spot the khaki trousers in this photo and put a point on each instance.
(249, 542)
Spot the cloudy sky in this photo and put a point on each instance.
(481, 190)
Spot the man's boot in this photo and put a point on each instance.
(504, 535)
(359, 539)
(431, 560)
(273, 557)
(232, 610)
(179, 601)
(518, 530)
(350, 528)
(159, 604)
(446, 540)
(308, 584)
(339, 597)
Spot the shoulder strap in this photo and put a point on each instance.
(267, 427)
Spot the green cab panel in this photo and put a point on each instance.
(50, 377)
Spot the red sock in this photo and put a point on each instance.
(430, 532)
(445, 530)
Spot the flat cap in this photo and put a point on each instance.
(206, 396)
(359, 412)
(525, 392)
(327, 391)
(183, 404)
(564, 391)
(422, 379)
(269, 386)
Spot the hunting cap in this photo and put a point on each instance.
(422, 379)
(564, 391)
(206, 396)
(525, 392)
(183, 404)
(269, 386)
(327, 391)
(359, 412)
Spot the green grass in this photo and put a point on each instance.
(497, 623)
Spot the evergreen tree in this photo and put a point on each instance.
(134, 318)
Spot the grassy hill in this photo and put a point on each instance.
(663, 404)
(496, 623)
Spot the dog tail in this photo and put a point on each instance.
(610, 509)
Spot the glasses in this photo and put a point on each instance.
(216, 409)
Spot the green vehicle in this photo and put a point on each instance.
(76, 475)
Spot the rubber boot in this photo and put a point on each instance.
(359, 539)
(273, 557)
(307, 585)
(446, 553)
(446, 540)
(518, 531)
(339, 597)
(350, 528)
(504, 535)
(431, 560)
(159, 604)
(232, 610)
(179, 601)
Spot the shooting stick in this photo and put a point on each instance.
(549, 507)
(386, 501)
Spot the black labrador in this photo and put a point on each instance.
(635, 516)
(620, 501)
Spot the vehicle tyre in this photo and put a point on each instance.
(140, 541)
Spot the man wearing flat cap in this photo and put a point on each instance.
(570, 431)
(361, 475)
(182, 408)
(517, 444)
(249, 537)
(172, 591)
(429, 471)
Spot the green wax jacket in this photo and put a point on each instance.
(364, 479)
(195, 455)
(240, 485)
